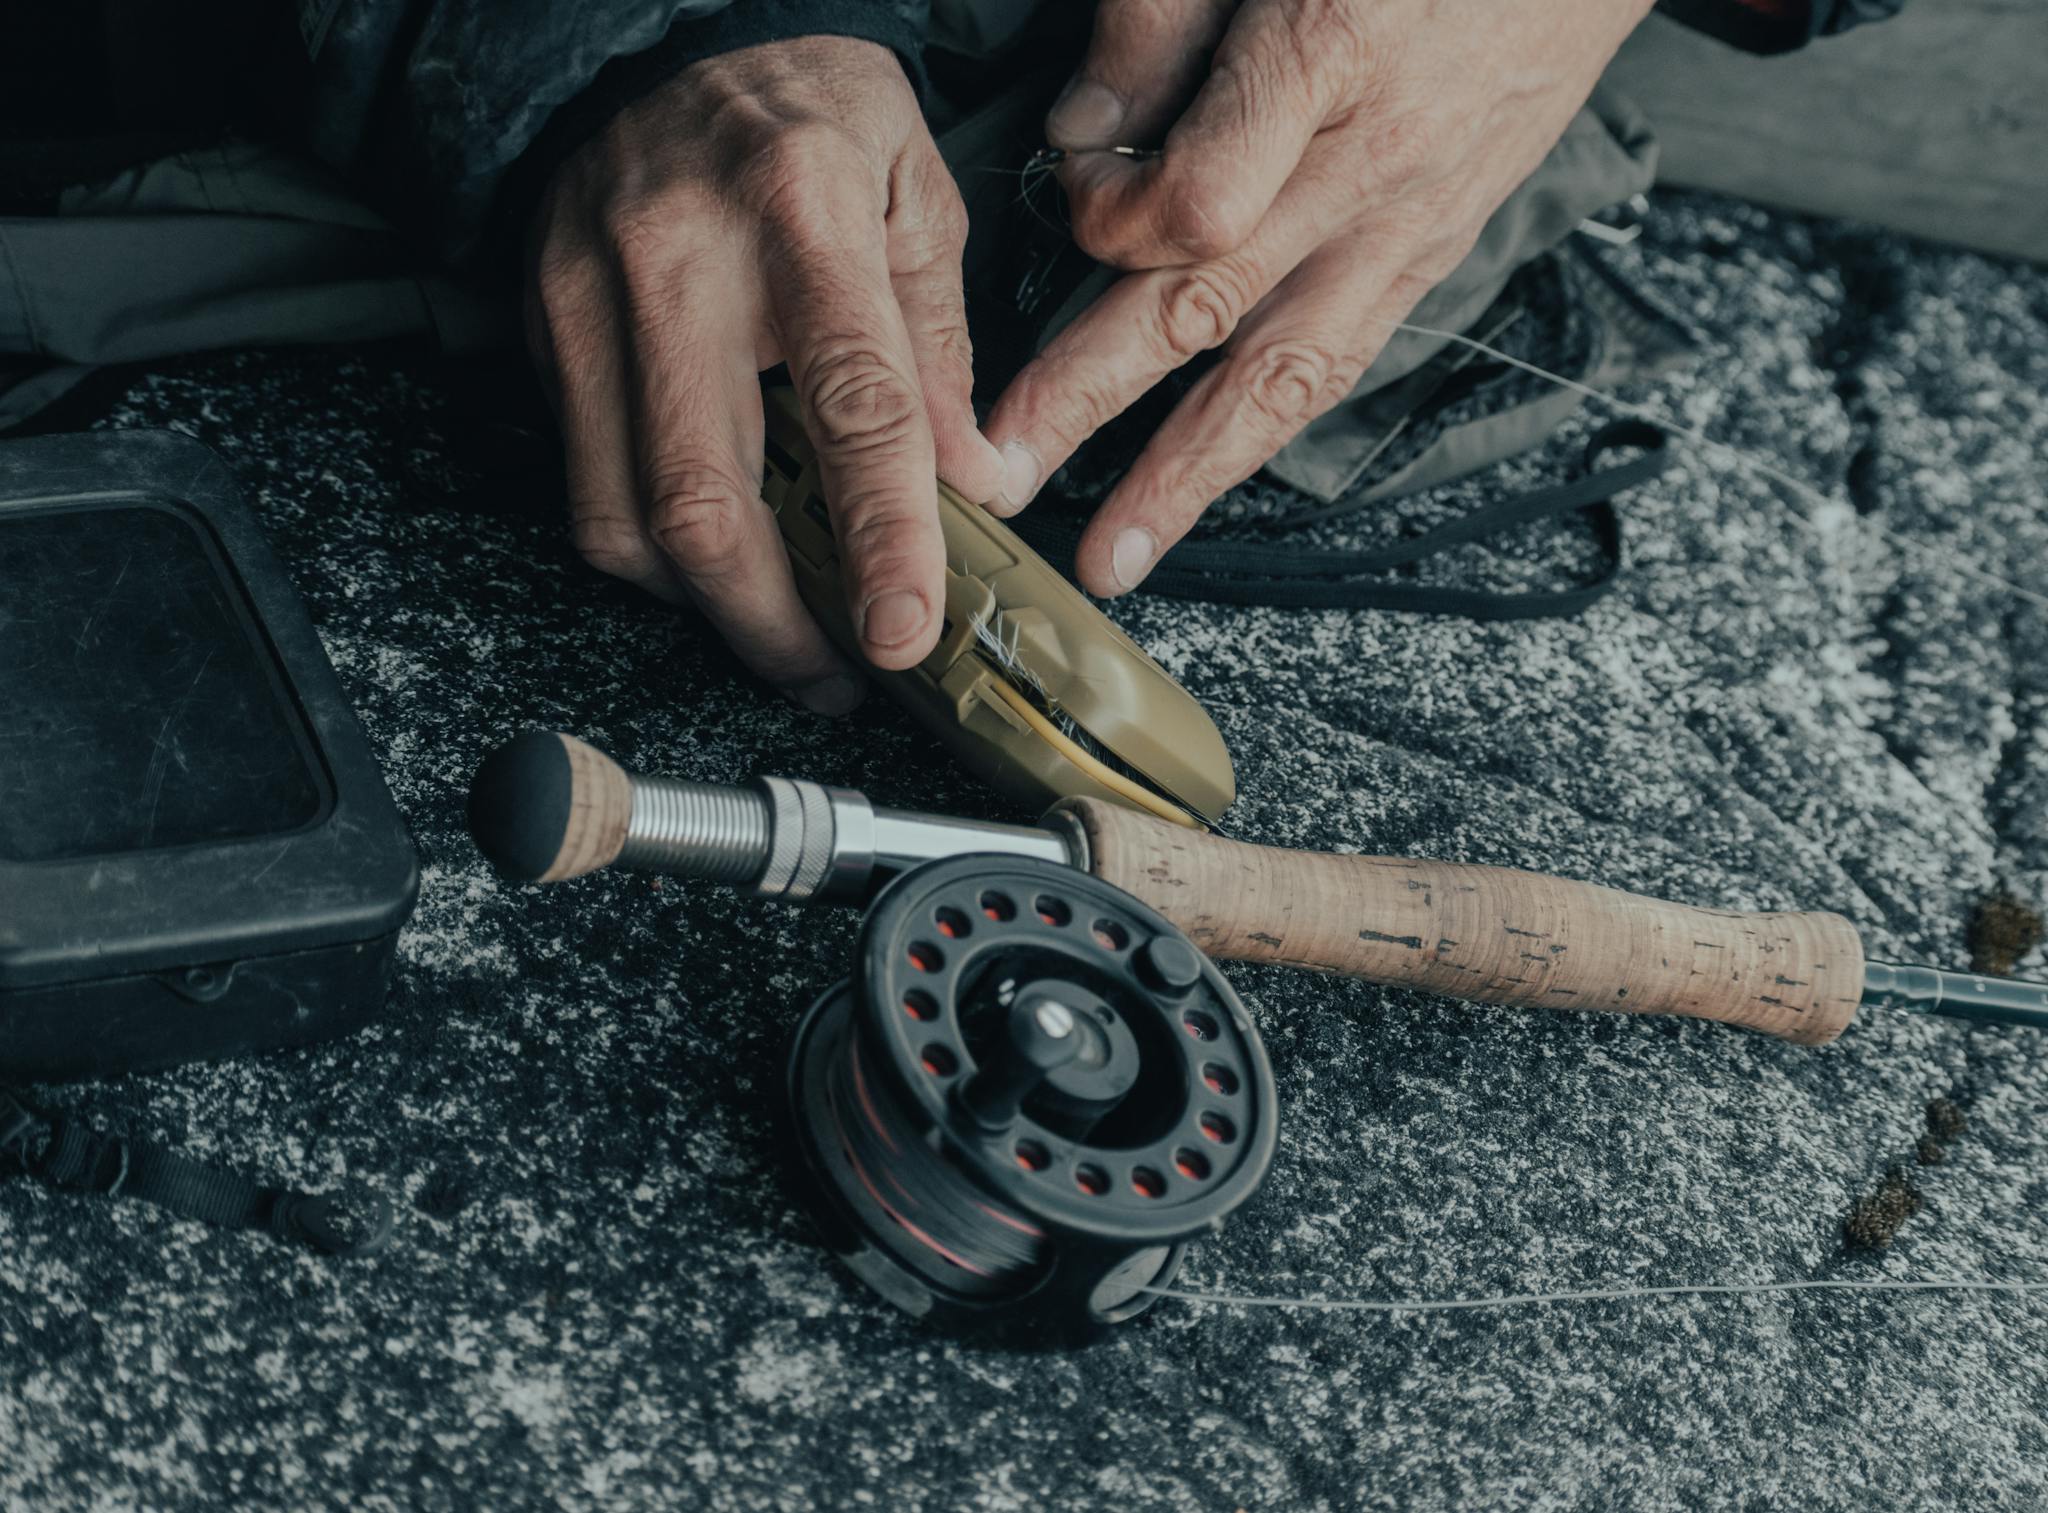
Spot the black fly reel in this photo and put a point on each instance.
(1031, 1094)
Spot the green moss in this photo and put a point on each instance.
(1876, 1219)
(2001, 932)
(1945, 1120)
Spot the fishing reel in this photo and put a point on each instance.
(1030, 1095)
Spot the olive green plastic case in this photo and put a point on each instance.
(1012, 620)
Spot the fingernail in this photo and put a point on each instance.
(1020, 475)
(1086, 115)
(837, 695)
(892, 618)
(1131, 557)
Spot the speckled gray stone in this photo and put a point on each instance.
(600, 1295)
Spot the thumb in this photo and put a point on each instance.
(1145, 62)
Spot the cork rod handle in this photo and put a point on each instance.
(1484, 933)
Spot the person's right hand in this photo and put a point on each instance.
(784, 203)
(1323, 164)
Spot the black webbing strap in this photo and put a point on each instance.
(1294, 577)
(73, 1157)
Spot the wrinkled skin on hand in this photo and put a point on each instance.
(784, 203)
(1325, 163)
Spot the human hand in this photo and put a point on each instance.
(1331, 163)
(784, 203)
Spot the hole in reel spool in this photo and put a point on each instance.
(1019, 1128)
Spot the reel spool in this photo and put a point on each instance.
(1031, 1093)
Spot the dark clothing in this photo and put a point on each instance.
(432, 108)
(438, 100)
(151, 201)
(429, 104)
(1776, 26)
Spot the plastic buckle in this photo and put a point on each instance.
(1618, 225)
(322, 1222)
(20, 1131)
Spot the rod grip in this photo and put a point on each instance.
(1485, 933)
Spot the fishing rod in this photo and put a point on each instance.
(547, 807)
(1033, 1090)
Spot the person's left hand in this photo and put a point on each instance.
(1338, 159)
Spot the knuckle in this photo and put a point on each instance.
(1207, 217)
(1344, 378)
(784, 178)
(561, 275)
(877, 536)
(1436, 263)
(609, 544)
(1184, 488)
(1062, 407)
(947, 217)
(572, 348)
(695, 517)
(1038, 405)
(1405, 146)
(859, 402)
(1408, 288)
(1453, 231)
(1095, 399)
(951, 353)
(569, 210)
(1200, 307)
(562, 306)
(1285, 382)
(1327, 36)
(925, 217)
(641, 231)
(1104, 232)
(1138, 23)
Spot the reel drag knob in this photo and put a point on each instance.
(1043, 1038)
(1029, 1096)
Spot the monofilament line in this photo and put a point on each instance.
(1595, 1295)
(1665, 421)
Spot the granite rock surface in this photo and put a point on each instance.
(601, 1295)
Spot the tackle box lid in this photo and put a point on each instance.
(182, 780)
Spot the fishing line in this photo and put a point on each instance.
(1037, 169)
(1032, 1093)
(926, 1196)
(1597, 1295)
(1040, 166)
(1665, 421)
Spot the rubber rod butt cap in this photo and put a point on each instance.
(521, 803)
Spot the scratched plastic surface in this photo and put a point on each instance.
(144, 710)
(198, 856)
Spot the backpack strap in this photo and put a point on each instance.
(70, 1155)
(1293, 577)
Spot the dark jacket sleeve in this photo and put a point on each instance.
(430, 104)
(1776, 26)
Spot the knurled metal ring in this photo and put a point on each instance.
(818, 827)
(785, 837)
